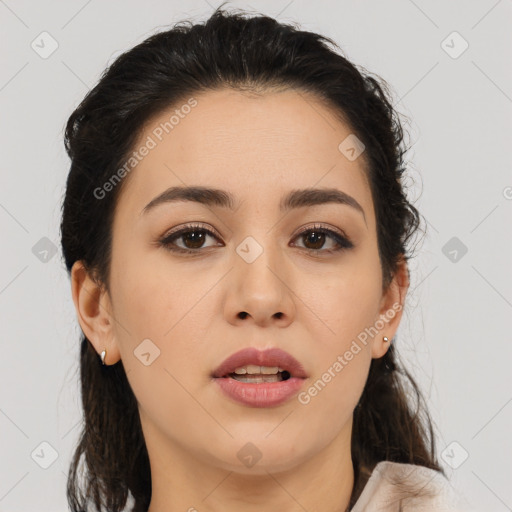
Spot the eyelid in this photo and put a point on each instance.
(322, 227)
(190, 227)
(177, 232)
(339, 236)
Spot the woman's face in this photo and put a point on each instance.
(174, 317)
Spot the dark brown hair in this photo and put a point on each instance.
(391, 421)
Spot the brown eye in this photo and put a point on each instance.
(315, 238)
(192, 237)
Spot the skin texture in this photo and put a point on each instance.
(258, 147)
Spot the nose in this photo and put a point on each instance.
(260, 292)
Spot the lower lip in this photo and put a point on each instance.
(268, 394)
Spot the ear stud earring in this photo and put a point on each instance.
(103, 355)
(385, 339)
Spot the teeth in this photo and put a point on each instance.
(253, 369)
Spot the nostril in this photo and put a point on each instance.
(242, 315)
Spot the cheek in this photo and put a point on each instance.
(152, 295)
(346, 301)
(167, 318)
(329, 400)
(174, 311)
(343, 351)
(348, 306)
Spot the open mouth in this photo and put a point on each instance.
(260, 378)
(256, 378)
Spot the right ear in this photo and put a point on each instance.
(94, 311)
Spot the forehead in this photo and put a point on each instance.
(256, 146)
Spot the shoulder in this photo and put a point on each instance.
(394, 486)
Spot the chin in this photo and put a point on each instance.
(263, 457)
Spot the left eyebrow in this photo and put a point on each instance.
(298, 198)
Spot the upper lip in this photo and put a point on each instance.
(270, 357)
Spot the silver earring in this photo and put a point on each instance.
(385, 339)
(103, 354)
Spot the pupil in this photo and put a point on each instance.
(197, 239)
(314, 234)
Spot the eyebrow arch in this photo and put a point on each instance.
(297, 198)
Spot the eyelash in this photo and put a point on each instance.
(343, 242)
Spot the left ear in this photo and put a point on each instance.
(391, 308)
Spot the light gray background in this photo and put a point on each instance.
(456, 331)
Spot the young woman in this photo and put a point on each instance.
(236, 232)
